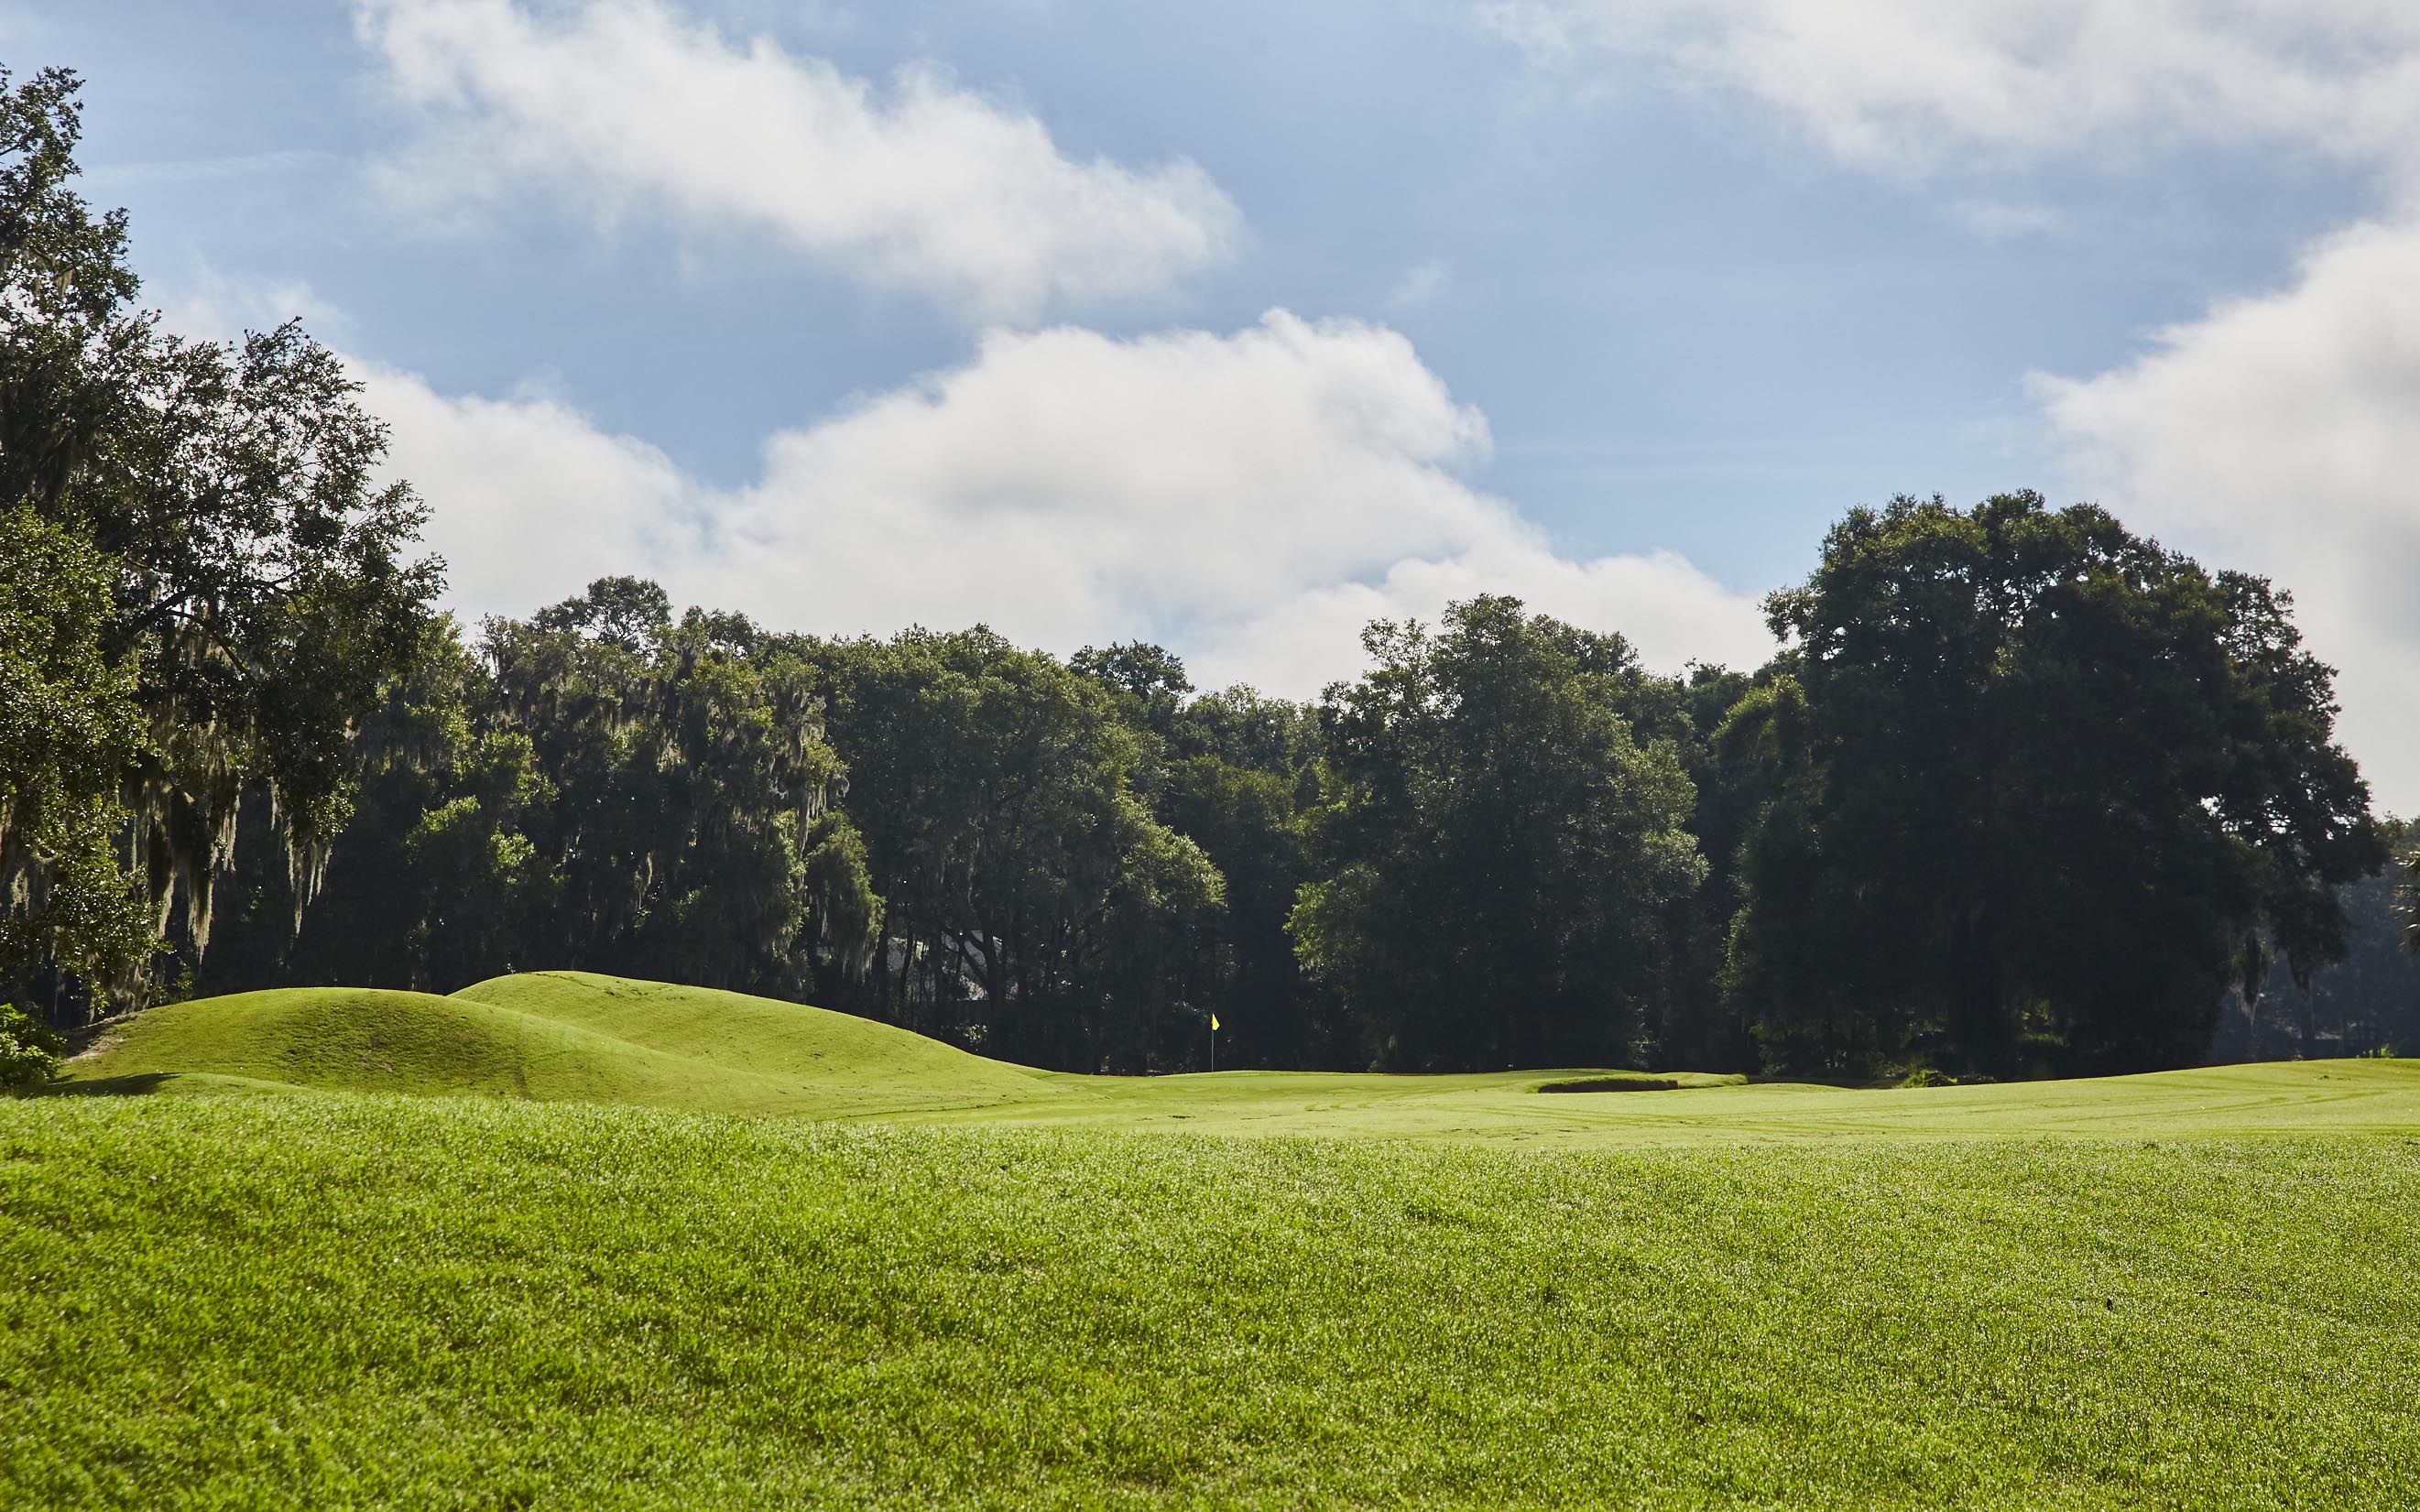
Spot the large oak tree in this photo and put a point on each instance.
(1495, 847)
(260, 578)
(2041, 791)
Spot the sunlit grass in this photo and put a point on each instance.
(561, 1036)
(561, 1274)
(321, 1301)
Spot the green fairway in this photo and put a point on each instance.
(912, 1276)
(568, 1036)
(340, 1300)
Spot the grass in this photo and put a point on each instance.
(553, 1037)
(352, 1300)
(570, 1036)
(961, 1284)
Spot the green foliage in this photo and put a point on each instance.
(1239, 803)
(1033, 900)
(2410, 896)
(1494, 844)
(376, 1301)
(69, 729)
(29, 1050)
(2368, 1003)
(1152, 677)
(259, 586)
(599, 786)
(691, 783)
(1693, 1023)
(843, 913)
(2037, 789)
(434, 882)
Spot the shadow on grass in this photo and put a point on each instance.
(1613, 1084)
(141, 1085)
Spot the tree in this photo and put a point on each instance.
(69, 729)
(1493, 845)
(597, 787)
(688, 832)
(1242, 769)
(1036, 905)
(1150, 678)
(2038, 790)
(1230, 771)
(1696, 1025)
(434, 883)
(2410, 893)
(2368, 1003)
(260, 586)
(29, 1050)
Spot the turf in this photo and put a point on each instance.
(552, 1036)
(569, 1036)
(561, 1272)
(341, 1300)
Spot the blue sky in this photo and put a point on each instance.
(854, 316)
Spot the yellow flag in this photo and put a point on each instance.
(1213, 1023)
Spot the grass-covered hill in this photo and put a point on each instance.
(571, 1036)
(949, 1282)
(551, 1036)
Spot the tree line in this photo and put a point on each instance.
(2022, 793)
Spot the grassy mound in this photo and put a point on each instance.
(346, 1301)
(575, 1037)
(552, 1036)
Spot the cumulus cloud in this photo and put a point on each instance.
(1917, 84)
(2277, 432)
(622, 107)
(1252, 498)
(208, 303)
(530, 501)
(2281, 432)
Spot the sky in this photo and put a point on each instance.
(1236, 326)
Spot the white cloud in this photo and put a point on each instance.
(1251, 499)
(1421, 283)
(2281, 433)
(624, 107)
(1920, 83)
(529, 500)
(208, 304)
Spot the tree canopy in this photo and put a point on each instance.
(1030, 889)
(2043, 791)
(1494, 844)
(257, 577)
